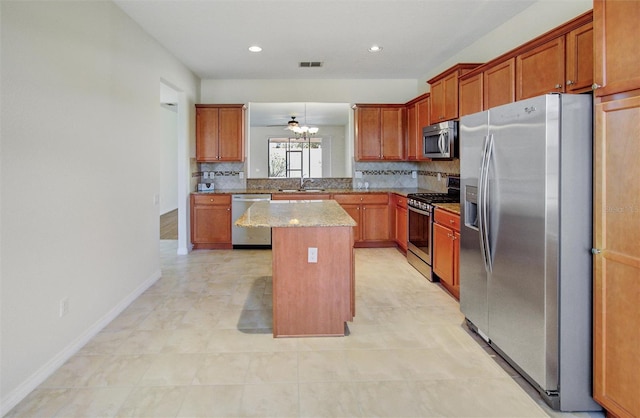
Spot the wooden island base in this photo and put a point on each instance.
(312, 299)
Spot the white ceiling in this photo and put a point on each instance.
(212, 38)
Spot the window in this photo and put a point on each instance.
(295, 157)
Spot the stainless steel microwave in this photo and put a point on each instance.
(440, 141)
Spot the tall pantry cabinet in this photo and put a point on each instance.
(617, 207)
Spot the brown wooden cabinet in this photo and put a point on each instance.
(399, 221)
(499, 84)
(579, 59)
(446, 250)
(541, 70)
(219, 133)
(380, 133)
(371, 213)
(444, 92)
(417, 118)
(471, 95)
(211, 221)
(617, 50)
(617, 208)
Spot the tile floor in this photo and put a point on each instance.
(198, 343)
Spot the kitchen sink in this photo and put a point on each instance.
(300, 190)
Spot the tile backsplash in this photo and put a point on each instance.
(375, 174)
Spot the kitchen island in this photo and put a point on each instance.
(313, 265)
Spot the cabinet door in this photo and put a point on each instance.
(354, 211)
(451, 96)
(230, 134)
(580, 59)
(211, 224)
(540, 70)
(375, 223)
(616, 46)
(401, 227)
(471, 95)
(456, 264)
(368, 133)
(443, 253)
(500, 84)
(206, 134)
(392, 129)
(437, 101)
(617, 266)
(423, 108)
(412, 132)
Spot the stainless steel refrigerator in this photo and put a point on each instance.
(525, 250)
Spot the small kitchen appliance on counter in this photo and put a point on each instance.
(420, 234)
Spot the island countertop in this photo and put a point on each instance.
(295, 213)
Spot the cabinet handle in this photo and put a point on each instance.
(210, 200)
(451, 221)
(558, 86)
(570, 82)
(596, 251)
(595, 86)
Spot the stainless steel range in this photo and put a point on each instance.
(420, 241)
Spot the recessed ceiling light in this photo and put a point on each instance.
(255, 48)
(375, 48)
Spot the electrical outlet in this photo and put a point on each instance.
(358, 174)
(414, 174)
(63, 307)
(241, 175)
(156, 199)
(439, 177)
(312, 255)
(205, 174)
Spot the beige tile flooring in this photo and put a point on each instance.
(198, 343)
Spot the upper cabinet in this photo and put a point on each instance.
(220, 133)
(617, 51)
(444, 93)
(540, 70)
(417, 118)
(380, 132)
(560, 60)
(579, 57)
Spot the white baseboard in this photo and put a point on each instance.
(8, 402)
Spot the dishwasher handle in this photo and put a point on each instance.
(243, 199)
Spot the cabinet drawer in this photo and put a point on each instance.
(355, 198)
(212, 199)
(446, 218)
(401, 201)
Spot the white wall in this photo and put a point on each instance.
(541, 17)
(80, 162)
(168, 160)
(330, 91)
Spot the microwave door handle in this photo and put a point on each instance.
(441, 143)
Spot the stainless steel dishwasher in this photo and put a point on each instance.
(248, 237)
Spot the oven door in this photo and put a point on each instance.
(419, 242)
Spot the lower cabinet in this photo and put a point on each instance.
(446, 250)
(399, 221)
(371, 212)
(211, 221)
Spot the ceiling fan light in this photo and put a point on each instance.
(313, 130)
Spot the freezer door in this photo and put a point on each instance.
(522, 193)
(473, 132)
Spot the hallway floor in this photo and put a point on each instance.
(198, 343)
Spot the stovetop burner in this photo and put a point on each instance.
(424, 200)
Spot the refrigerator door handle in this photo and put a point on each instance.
(483, 190)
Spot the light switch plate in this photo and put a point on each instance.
(312, 255)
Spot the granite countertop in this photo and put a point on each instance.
(451, 207)
(295, 213)
(401, 191)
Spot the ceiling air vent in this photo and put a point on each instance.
(310, 64)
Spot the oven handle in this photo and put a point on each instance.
(420, 211)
